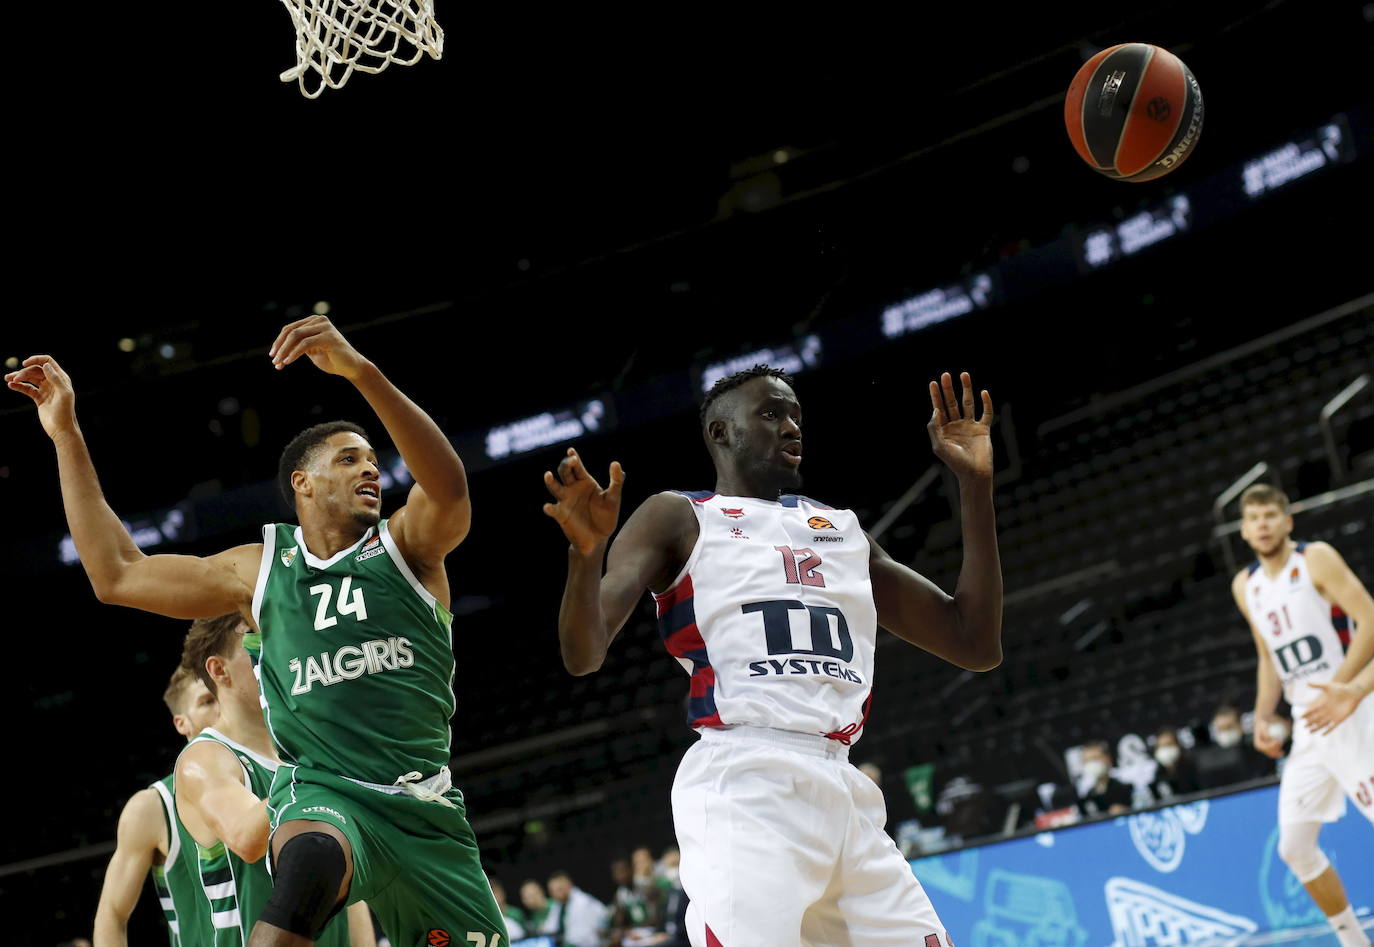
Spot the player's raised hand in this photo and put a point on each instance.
(43, 380)
(964, 444)
(320, 339)
(586, 512)
(1331, 706)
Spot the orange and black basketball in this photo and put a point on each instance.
(1134, 112)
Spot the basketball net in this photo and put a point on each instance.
(335, 37)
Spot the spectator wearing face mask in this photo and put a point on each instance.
(1176, 774)
(1099, 793)
(1231, 758)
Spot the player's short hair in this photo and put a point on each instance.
(300, 452)
(560, 873)
(175, 694)
(210, 638)
(1264, 494)
(731, 382)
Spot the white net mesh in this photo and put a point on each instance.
(335, 37)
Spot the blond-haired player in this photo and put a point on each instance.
(1313, 624)
(222, 781)
(147, 839)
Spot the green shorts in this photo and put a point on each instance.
(415, 863)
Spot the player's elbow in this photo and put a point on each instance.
(985, 661)
(580, 667)
(250, 846)
(112, 917)
(108, 591)
(114, 584)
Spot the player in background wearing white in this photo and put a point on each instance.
(142, 840)
(771, 602)
(1313, 624)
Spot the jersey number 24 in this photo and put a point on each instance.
(349, 604)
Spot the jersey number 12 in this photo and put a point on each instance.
(799, 565)
(348, 604)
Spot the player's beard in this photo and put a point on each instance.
(776, 477)
(367, 518)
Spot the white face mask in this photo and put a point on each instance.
(1167, 755)
(1227, 738)
(1094, 770)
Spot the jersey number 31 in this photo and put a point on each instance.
(348, 604)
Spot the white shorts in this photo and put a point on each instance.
(1322, 770)
(782, 844)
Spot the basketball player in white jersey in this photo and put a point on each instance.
(771, 601)
(143, 840)
(1313, 624)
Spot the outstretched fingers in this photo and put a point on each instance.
(617, 481)
(951, 403)
(570, 468)
(988, 413)
(557, 489)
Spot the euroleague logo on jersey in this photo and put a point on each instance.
(1294, 576)
(821, 523)
(733, 512)
(373, 547)
(437, 937)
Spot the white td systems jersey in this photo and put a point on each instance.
(773, 616)
(1306, 634)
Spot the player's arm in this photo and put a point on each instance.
(1354, 679)
(142, 832)
(1338, 701)
(120, 574)
(438, 511)
(1268, 687)
(360, 931)
(965, 628)
(215, 805)
(595, 606)
(1342, 588)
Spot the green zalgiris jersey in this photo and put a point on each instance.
(354, 658)
(175, 880)
(234, 892)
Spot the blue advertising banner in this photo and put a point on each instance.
(1180, 875)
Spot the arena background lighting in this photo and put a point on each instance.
(552, 237)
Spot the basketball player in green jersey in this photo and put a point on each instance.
(222, 780)
(355, 656)
(149, 837)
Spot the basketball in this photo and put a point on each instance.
(1134, 112)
